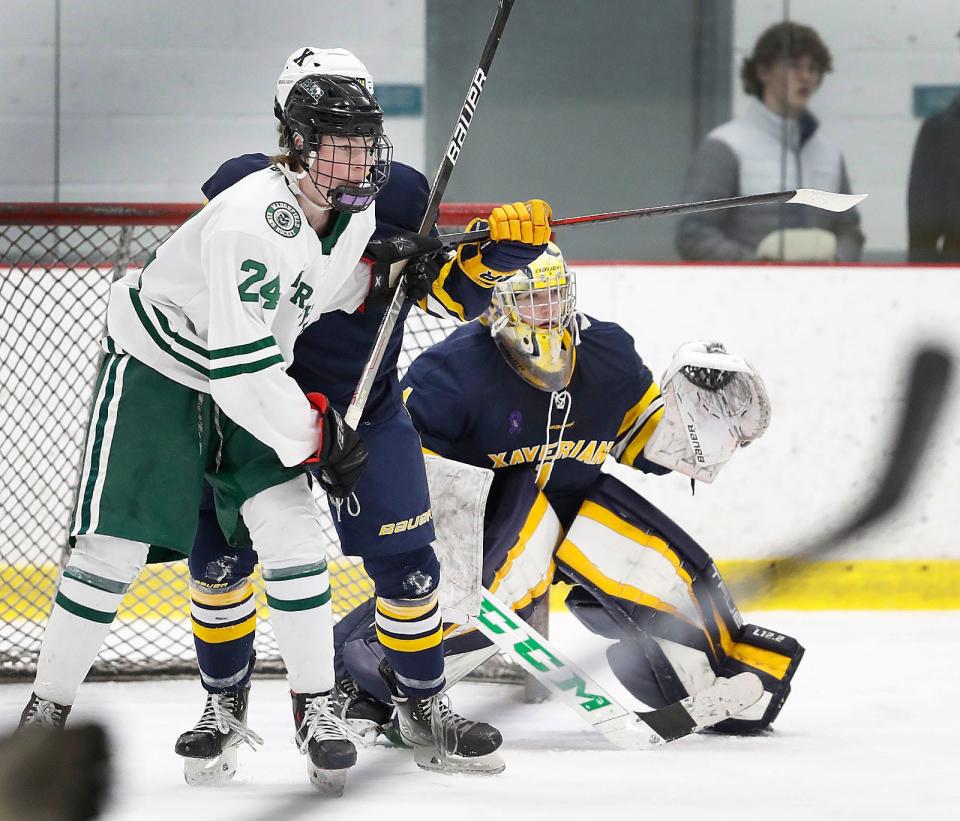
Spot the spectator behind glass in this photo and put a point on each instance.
(774, 145)
(933, 203)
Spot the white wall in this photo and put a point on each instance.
(832, 345)
(880, 51)
(156, 93)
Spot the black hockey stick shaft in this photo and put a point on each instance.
(800, 196)
(930, 378)
(464, 120)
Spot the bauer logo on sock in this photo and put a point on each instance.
(283, 218)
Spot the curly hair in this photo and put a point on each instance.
(783, 41)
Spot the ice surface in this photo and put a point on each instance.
(870, 732)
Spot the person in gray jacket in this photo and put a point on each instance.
(775, 145)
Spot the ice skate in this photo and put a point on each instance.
(209, 750)
(40, 712)
(367, 716)
(326, 738)
(441, 739)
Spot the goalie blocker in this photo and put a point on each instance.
(639, 579)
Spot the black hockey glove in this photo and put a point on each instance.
(424, 256)
(340, 460)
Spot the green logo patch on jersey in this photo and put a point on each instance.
(283, 218)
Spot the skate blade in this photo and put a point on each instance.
(200, 772)
(429, 758)
(328, 782)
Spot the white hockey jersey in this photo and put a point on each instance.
(220, 306)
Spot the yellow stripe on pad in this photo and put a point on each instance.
(534, 517)
(570, 554)
(603, 516)
(537, 590)
(766, 660)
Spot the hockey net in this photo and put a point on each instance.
(57, 262)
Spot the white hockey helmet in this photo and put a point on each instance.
(532, 320)
(308, 60)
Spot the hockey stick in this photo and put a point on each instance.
(931, 373)
(465, 118)
(626, 728)
(801, 196)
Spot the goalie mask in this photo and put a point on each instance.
(334, 121)
(531, 318)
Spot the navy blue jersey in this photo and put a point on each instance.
(330, 354)
(469, 405)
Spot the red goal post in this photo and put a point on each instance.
(57, 261)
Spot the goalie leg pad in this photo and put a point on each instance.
(655, 670)
(641, 666)
(521, 534)
(625, 554)
(653, 580)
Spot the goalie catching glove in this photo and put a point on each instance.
(714, 403)
(519, 233)
(341, 457)
(418, 258)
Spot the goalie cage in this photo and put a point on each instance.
(56, 265)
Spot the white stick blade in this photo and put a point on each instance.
(826, 200)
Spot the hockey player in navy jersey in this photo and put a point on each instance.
(541, 395)
(329, 358)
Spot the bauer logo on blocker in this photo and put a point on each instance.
(283, 218)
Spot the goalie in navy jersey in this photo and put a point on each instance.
(541, 395)
(393, 487)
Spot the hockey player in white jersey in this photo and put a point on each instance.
(193, 385)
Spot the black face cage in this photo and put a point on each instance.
(350, 197)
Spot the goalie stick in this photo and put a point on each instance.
(465, 118)
(626, 728)
(801, 196)
(931, 373)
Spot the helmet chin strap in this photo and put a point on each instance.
(293, 183)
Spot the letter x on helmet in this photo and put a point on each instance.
(341, 109)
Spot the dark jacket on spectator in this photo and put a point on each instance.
(933, 204)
